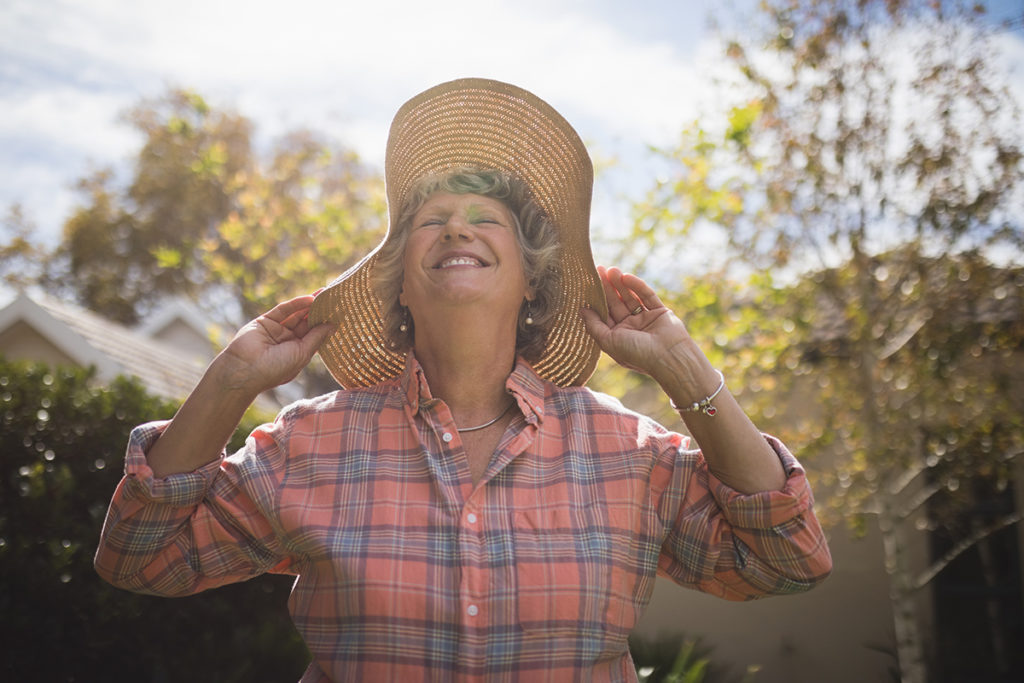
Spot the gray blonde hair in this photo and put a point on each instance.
(538, 244)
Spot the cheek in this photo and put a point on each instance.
(520, 262)
(417, 244)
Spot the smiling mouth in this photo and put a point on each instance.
(460, 261)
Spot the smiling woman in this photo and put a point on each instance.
(465, 509)
(462, 258)
(537, 242)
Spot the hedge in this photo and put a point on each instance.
(62, 439)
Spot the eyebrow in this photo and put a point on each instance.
(476, 211)
(473, 212)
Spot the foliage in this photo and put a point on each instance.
(863, 182)
(62, 442)
(21, 258)
(678, 659)
(935, 401)
(206, 216)
(861, 126)
(111, 254)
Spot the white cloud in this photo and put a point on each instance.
(49, 139)
(617, 71)
(75, 121)
(339, 67)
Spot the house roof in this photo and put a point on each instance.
(90, 340)
(179, 322)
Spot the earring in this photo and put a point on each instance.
(529, 313)
(404, 327)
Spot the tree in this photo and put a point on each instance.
(206, 216)
(875, 162)
(22, 260)
(295, 226)
(112, 258)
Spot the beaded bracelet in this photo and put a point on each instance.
(704, 405)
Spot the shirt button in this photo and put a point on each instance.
(471, 518)
(447, 437)
(472, 610)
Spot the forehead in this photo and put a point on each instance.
(450, 202)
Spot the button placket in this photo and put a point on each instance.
(475, 575)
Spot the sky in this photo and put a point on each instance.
(69, 69)
(626, 74)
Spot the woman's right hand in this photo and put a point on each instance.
(270, 350)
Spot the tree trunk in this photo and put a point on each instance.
(909, 650)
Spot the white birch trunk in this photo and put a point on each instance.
(909, 648)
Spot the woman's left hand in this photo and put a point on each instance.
(640, 332)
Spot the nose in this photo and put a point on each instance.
(456, 228)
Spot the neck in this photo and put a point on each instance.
(467, 362)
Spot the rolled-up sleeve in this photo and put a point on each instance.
(735, 545)
(188, 532)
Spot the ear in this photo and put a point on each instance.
(401, 297)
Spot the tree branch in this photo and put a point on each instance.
(913, 326)
(1011, 456)
(919, 499)
(907, 477)
(932, 571)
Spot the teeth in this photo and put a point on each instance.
(460, 261)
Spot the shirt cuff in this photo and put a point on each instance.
(186, 489)
(766, 509)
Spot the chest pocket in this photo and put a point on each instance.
(575, 572)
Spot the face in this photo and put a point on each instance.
(462, 249)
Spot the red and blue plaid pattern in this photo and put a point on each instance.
(409, 572)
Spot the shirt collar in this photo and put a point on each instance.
(529, 389)
(523, 383)
(414, 383)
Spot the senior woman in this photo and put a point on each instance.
(464, 508)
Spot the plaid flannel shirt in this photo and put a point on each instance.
(407, 571)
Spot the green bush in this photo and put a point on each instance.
(62, 440)
(675, 658)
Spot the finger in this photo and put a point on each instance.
(626, 295)
(296, 319)
(630, 302)
(642, 291)
(285, 309)
(302, 325)
(617, 309)
(597, 327)
(314, 337)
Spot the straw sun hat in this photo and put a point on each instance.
(488, 125)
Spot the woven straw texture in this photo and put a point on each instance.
(488, 125)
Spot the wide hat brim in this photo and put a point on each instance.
(488, 125)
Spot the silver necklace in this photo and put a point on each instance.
(485, 424)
